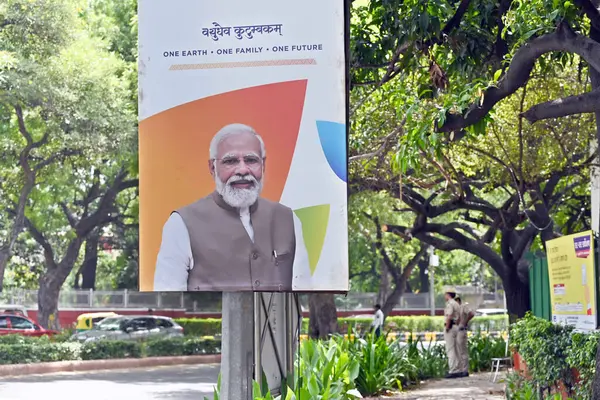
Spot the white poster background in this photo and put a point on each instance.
(170, 26)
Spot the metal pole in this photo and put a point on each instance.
(237, 357)
(257, 342)
(432, 263)
(431, 291)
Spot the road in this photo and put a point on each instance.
(171, 383)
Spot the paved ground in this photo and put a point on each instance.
(195, 382)
(475, 387)
(169, 383)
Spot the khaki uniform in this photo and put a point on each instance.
(452, 312)
(462, 343)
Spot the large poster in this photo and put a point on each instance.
(572, 275)
(242, 142)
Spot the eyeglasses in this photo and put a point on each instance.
(251, 162)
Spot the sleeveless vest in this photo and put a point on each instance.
(226, 259)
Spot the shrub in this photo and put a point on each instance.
(111, 349)
(544, 346)
(200, 326)
(199, 346)
(18, 339)
(417, 324)
(326, 370)
(182, 347)
(382, 367)
(31, 352)
(482, 349)
(582, 357)
(429, 361)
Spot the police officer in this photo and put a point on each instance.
(452, 315)
(462, 343)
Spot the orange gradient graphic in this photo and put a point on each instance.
(174, 146)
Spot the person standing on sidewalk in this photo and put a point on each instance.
(377, 323)
(451, 316)
(462, 341)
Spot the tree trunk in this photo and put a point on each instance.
(50, 284)
(423, 276)
(90, 262)
(323, 315)
(4, 257)
(384, 283)
(19, 217)
(393, 298)
(518, 301)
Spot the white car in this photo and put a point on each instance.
(484, 312)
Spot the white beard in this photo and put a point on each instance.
(239, 198)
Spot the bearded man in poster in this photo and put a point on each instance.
(232, 239)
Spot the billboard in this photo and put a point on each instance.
(572, 278)
(242, 146)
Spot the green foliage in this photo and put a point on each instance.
(350, 368)
(582, 357)
(15, 349)
(545, 347)
(429, 361)
(189, 346)
(111, 349)
(326, 370)
(212, 326)
(382, 367)
(418, 324)
(482, 349)
(200, 326)
(554, 353)
(518, 388)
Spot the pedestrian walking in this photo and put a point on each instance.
(462, 341)
(451, 315)
(377, 324)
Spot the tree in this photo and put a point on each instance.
(466, 57)
(65, 104)
(30, 32)
(493, 195)
(322, 315)
(92, 209)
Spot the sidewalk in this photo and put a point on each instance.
(475, 387)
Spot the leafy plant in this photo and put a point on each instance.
(382, 367)
(482, 348)
(544, 346)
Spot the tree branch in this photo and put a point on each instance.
(578, 104)
(563, 39)
(61, 155)
(591, 11)
(452, 24)
(42, 241)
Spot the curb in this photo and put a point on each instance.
(102, 365)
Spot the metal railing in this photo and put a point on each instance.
(208, 302)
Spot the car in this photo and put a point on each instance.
(484, 312)
(131, 327)
(13, 309)
(88, 320)
(11, 324)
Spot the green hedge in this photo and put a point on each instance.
(200, 326)
(212, 326)
(20, 350)
(552, 352)
(419, 324)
